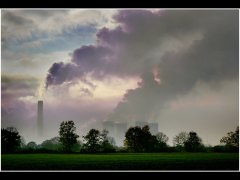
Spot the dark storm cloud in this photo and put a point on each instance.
(184, 46)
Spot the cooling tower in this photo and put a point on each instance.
(40, 118)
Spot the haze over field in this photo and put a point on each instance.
(179, 68)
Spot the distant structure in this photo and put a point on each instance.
(40, 118)
(141, 123)
(109, 126)
(116, 130)
(153, 128)
(120, 130)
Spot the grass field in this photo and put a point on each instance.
(122, 161)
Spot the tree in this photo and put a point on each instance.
(67, 134)
(162, 138)
(232, 138)
(193, 143)
(161, 141)
(77, 146)
(53, 144)
(179, 140)
(32, 145)
(139, 139)
(147, 139)
(11, 139)
(133, 139)
(107, 143)
(111, 140)
(92, 140)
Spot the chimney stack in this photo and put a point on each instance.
(40, 118)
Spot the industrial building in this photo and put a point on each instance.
(40, 118)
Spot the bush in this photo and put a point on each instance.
(179, 148)
(170, 149)
(226, 148)
(121, 149)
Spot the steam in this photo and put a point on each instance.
(170, 51)
(62, 72)
(41, 90)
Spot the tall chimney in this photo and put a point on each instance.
(40, 118)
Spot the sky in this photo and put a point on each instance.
(177, 68)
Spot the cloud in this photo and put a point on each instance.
(197, 50)
(34, 64)
(23, 24)
(14, 25)
(34, 39)
(18, 85)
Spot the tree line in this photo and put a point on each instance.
(137, 139)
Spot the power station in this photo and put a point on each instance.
(40, 118)
(116, 130)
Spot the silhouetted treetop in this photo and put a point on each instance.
(67, 134)
(232, 138)
(193, 143)
(10, 139)
(139, 139)
(92, 141)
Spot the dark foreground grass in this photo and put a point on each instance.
(122, 161)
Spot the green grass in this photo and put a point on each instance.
(122, 161)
